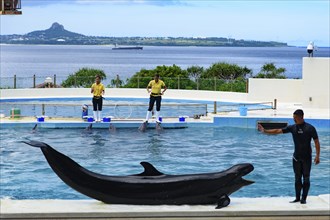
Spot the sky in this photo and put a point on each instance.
(296, 22)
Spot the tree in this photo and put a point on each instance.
(270, 71)
(173, 76)
(226, 71)
(195, 72)
(117, 82)
(84, 77)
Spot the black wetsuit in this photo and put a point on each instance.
(302, 157)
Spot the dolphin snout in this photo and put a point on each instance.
(244, 169)
(248, 168)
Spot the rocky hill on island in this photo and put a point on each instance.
(58, 35)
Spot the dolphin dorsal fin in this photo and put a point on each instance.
(149, 170)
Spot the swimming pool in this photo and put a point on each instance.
(25, 173)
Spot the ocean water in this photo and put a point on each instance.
(47, 60)
(25, 174)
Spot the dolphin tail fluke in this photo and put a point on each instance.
(35, 127)
(36, 144)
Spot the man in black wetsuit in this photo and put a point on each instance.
(302, 134)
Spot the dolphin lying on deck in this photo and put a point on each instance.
(150, 187)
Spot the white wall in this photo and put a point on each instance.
(316, 82)
(312, 91)
(284, 90)
(113, 92)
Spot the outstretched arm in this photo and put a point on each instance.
(318, 151)
(269, 131)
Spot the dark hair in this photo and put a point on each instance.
(299, 112)
(157, 75)
(98, 76)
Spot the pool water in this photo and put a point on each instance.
(115, 108)
(25, 174)
(118, 107)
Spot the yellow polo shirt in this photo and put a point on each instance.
(156, 87)
(98, 89)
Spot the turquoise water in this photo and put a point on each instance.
(118, 107)
(25, 174)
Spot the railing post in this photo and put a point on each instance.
(54, 80)
(205, 109)
(178, 82)
(197, 83)
(75, 81)
(117, 81)
(275, 104)
(34, 80)
(215, 83)
(15, 81)
(138, 81)
(247, 86)
(43, 109)
(215, 107)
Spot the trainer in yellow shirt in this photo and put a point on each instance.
(98, 91)
(156, 87)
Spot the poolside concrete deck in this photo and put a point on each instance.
(317, 208)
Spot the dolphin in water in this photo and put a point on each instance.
(159, 126)
(151, 187)
(112, 128)
(143, 127)
(89, 127)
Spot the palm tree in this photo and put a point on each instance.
(270, 71)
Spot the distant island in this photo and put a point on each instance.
(57, 35)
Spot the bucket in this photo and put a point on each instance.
(40, 118)
(160, 119)
(106, 119)
(15, 113)
(242, 111)
(182, 119)
(90, 119)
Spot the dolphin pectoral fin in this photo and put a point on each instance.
(149, 170)
(224, 201)
(36, 144)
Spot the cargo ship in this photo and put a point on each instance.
(128, 48)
